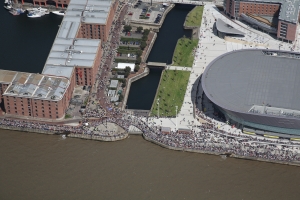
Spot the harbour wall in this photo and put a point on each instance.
(99, 137)
(49, 132)
(149, 48)
(220, 153)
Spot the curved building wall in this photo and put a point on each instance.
(226, 77)
(291, 126)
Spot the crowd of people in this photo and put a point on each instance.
(206, 137)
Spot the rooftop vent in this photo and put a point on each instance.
(53, 97)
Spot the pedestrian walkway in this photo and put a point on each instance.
(180, 68)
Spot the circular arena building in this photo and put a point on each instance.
(256, 88)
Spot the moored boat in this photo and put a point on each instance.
(61, 12)
(33, 14)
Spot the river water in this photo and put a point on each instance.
(36, 166)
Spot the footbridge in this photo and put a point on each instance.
(178, 1)
(156, 64)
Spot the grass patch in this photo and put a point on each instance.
(194, 18)
(67, 116)
(171, 92)
(183, 54)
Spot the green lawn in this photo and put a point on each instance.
(171, 92)
(194, 17)
(183, 54)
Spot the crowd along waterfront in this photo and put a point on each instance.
(83, 173)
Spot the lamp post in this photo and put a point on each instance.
(158, 107)
(176, 117)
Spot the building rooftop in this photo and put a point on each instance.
(114, 83)
(289, 9)
(6, 76)
(37, 86)
(257, 81)
(69, 51)
(88, 11)
(226, 28)
(75, 52)
(58, 71)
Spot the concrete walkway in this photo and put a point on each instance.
(181, 68)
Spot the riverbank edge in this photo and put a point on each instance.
(219, 153)
(99, 138)
(72, 135)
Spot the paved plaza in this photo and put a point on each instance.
(210, 47)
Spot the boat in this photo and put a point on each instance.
(33, 14)
(17, 11)
(61, 12)
(8, 5)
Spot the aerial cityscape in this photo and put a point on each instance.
(208, 77)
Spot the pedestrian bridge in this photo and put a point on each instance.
(156, 64)
(177, 1)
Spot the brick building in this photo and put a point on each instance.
(61, 3)
(287, 12)
(82, 54)
(35, 95)
(74, 59)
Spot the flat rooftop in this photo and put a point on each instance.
(37, 86)
(245, 80)
(69, 51)
(289, 9)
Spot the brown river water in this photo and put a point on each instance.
(37, 166)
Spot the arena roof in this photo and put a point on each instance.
(251, 80)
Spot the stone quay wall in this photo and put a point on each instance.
(220, 153)
(99, 137)
(149, 48)
(49, 132)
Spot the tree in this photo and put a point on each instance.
(143, 45)
(127, 72)
(146, 32)
(139, 29)
(121, 97)
(139, 53)
(138, 60)
(136, 68)
(145, 37)
(127, 28)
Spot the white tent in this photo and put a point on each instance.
(124, 65)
